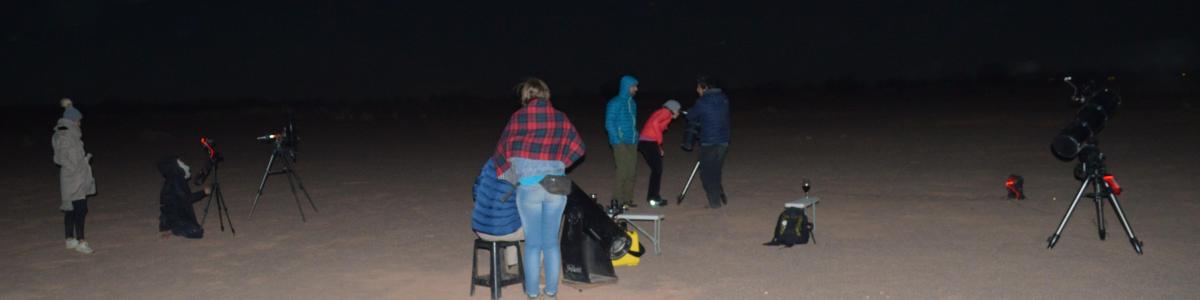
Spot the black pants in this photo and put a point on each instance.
(74, 219)
(654, 158)
(712, 159)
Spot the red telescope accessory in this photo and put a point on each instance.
(1112, 183)
(1015, 184)
(212, 153)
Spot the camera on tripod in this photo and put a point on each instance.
(214, 165)
(286, 142)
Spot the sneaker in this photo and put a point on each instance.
(628, 205)
(83, 248)
(657, 202)
(72, 243)
(550, 296)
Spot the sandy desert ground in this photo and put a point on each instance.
(913, 205)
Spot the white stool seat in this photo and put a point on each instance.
(803, 202)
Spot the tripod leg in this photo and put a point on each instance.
(220, 207)
(1137, 245)
(263, 184)
(1053, 239)
(223, 208)
(292, 184)
(1099, 210)
(206, 205)
(689, 183)
(301, 184)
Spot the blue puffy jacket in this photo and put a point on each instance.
(711, 114)
(620, 115)
(493, 214)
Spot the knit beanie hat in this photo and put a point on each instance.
(672, 105)
(72, 114)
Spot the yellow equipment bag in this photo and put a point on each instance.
(634, 255)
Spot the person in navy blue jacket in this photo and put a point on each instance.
(710, 116)
(495, 216)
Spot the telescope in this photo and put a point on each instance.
(214, 158)
(1078, 140)
(1097, 107)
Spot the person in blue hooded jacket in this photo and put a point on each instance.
(620, 120)
(495, 216)
(710, 115)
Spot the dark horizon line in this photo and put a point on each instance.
(845, 83)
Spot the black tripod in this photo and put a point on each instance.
(1092, 171)
(222, 209)
(286, 155)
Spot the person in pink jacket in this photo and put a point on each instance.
(650, 144)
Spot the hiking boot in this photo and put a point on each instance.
(83, 248)
(72, 243)
(657, 202)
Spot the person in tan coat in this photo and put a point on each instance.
(75, 175)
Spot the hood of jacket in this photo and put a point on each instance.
(626, 82)
(68, 127)
(169, 167)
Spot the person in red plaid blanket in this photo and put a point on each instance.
(539, 141)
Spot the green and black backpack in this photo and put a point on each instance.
(792, 228)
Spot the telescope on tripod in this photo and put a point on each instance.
(1078, 141)
(285, 144)
(214, 165)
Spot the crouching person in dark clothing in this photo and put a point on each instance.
(710, 115)
(177, 217)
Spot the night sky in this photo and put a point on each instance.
(190, 49)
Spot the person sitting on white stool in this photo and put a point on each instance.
(494, 217)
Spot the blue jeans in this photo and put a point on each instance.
(541, 216)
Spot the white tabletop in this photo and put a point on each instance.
(641, 216)
(803, 202)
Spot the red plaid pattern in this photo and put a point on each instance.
(538, 131)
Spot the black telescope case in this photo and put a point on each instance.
(587, 241)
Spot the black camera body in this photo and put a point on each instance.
(691, 134)
(286, 137)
